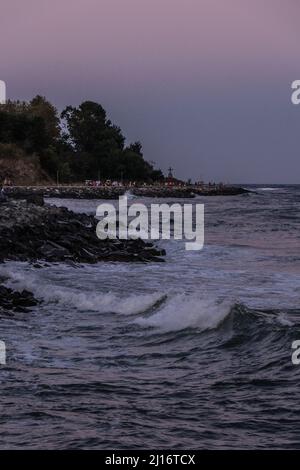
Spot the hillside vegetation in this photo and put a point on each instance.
(37, 144)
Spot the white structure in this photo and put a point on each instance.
(2, 92)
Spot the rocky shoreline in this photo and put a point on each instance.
(42, 234)
(222, 191)
(36, 232)
(32, 232)
(113, 192)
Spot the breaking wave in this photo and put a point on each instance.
(83, 301)
(184, 311)
(158, 311)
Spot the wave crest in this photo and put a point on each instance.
(188, 311)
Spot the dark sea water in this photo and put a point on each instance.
(192, 353)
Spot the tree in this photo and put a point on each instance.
(88, 129)
(136, 148)
(28, 132)
(34, 125)
(40, 107)
(81, 143)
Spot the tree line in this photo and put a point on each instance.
(78, 144)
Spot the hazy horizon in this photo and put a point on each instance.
(204, 86)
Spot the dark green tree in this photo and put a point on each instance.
(82, 143)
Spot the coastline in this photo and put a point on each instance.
(42, 234)
(38, 233)
(113, 192)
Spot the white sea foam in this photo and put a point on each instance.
(266, 189)
(178, 312)
(129, 195)
(100, 302)
(284, 321)
(172, 312)
(184, 311)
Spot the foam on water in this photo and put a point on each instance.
(284, 321)
(184, 311)
(266, 189)
(100, 302)
(129, 195)
(166, 369)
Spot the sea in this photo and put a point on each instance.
(192, 353)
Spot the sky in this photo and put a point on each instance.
(205, 85)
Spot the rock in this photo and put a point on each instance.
(162, 192)
(53, 251)
(35, 199)
(30, 232)
(35, 195)
(12, 301)
(221, 191)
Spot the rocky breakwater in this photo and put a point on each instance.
(220, 191)
(114, 192)
(31, 232)
(187, 191)
(91, 192)
(65, 192)
(162, 192)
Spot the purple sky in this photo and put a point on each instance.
(204, 84)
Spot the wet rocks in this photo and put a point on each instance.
(221, 191)
(36, 194)
(64, 192)
(12, 301)
(163, 192)
(30, 232)
(35, 199)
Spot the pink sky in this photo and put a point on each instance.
(177, 59)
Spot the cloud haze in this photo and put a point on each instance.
(204, 84)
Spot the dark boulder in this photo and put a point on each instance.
(13, 301)
(35, 199)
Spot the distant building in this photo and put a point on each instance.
(171, 181)
(2, 92)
